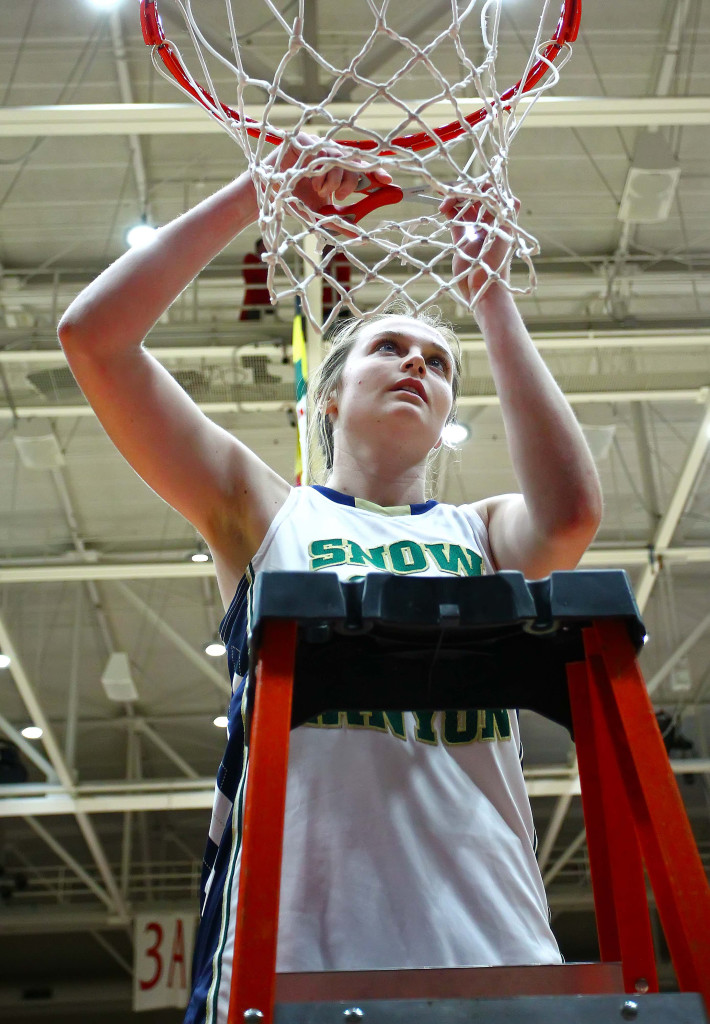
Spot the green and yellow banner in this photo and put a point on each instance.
(300, 365)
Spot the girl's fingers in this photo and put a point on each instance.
(450, 206)
(457, 231)
(333, 181)
(381, 176)
(348, 185)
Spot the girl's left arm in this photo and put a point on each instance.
(552, 522)
(550, 525)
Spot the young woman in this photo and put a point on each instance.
(409, 838)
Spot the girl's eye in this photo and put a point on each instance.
(385, 345)
(439, 363)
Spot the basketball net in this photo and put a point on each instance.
(395, 251)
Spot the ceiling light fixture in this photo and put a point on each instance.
(455, 434)
(221, 721)
(4, 661)
(32, 732)
(140, 235)
(214, 647)
(105, 5)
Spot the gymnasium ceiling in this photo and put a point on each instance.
(113, 814)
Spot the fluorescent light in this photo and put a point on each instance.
(4, 661)
(455, 434)
(221, 721)
(104, 5)
(32, 732)
(200, 556)
(215, 648)
(139, 235)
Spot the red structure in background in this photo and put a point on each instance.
(256, 295)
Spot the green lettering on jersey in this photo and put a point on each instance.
(425, 731)
(456, 559)
(407, 556)
(367, 556)
(461, 726)
(494, 725)
(328, 720)
(324, 554)
(388, 721)
(358, 719)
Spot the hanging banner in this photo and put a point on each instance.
(300, 364)
(162, 960)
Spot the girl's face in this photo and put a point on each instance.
(396, 387)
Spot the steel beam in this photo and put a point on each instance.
(28, 749)
(553, 829)
(67, 803)
(71, 862)
(36, 713)
(51, 920)
(671, 517)
(565, 857)
(189, 119)
(180, 763)
(681, 394)
(545, 341)
(63, 571)
(15, 801)
(680, 652)
(412, 29)
(120, 56)
(218, 679)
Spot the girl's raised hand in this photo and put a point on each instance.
(324, 185)
(476, 249)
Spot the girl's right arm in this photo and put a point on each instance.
(205, 473)
(215, 481)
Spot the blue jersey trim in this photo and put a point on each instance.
(348, 499)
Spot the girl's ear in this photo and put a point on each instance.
(330, 408)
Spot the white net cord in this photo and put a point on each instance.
(403, 250)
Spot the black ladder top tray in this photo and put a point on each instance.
(394, 643)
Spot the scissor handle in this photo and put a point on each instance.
(375, 195)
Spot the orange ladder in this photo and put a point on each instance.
(565, 646)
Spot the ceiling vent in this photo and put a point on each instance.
(57, 385)
(651, 182)
(117, 680)
(37, 444)
(599, 439)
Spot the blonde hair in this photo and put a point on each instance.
(326, 379)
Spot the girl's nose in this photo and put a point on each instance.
(415, 361)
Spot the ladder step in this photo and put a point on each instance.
(668, 1008)
(450, 982)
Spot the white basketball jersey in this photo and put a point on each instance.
(409, 839)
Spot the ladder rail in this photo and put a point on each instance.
(671, 856)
